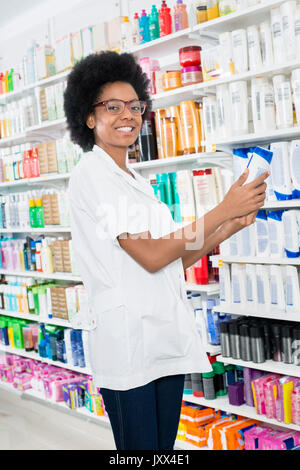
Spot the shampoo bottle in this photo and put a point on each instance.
(267, 54)
(277, 35)
(263, 287)
(280, 169)
(295, 167)
(144, 27)
(154, 23)
(262, 234)
(291, 227)
(135, 30)
(277, 287)
(288, 14)
(251, 286)
(259, 163)
(165, 20)
(276, 234)
(180, 16)
(292, 289)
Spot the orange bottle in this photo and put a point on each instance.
(169, 137)
(6, 82)
(191, 126)
(159, 115)
(174, 112)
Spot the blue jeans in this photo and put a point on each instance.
(147, 417)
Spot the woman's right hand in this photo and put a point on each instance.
(243, 199)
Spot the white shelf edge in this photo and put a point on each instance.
(257, 137)
(36, 318)
(182, 159)
(268, 366)
(281, 204)
(243, 310)
(222, 403)
(47, 229)
(40, 179)
(35, 274)
(219, 259)
(34, 355)
(208, 288)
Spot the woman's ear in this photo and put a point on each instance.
(90, 122)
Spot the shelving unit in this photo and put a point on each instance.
(270, 366)
(36, 318)
(35, 274)
(219, 259)
(274, 314)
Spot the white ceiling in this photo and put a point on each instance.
(11, 9)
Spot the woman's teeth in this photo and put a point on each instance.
(125, 129)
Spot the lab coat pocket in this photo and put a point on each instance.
(110, 343)
(162, 336)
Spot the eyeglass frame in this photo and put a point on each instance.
(126, 103)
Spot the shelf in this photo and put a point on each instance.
(240, 19)
(261, 72)
(222, 403)
(57, 123)
(36, 318)
(282, 204)
(258, 137)
(219, 259)
(269, 366)
(172, 97)
(48, 229)
(175, 38)
(244, 310)
(36, 274)
(180, 160)
(210, 289)
(34, 355)
(41, 179)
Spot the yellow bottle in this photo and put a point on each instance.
(174, 112)
(212, 9)
(10, 333)
(169, 139)
(47, 258)
(159, 115)
(191, 126)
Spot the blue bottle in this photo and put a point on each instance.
(73, 337)
(212, 322)
(80, 351)
(144, 27)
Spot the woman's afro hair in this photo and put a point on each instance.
(84, 86)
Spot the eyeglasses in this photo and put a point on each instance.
(136, 107)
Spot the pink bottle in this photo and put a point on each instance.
(34, 161)
(180, 16)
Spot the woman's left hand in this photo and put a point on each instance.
(233, 226)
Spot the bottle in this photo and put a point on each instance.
(280, 169)
(262, 234)
(10, 84)
(276, 234)
(263, 106)
(254, 51)
(191, 127)
(135, 30)
(288, 14)
(126, 34)
(283, 102)
(291, 227)
(219, 379)
(154, 23)
(208, 385)
(201, 11)
(169, 137)
(34, 161)
(180, 16)
(227, 6)
(267, 54)
(39, 214)
(144, 27)
(197, 385)
(224, 119)
(239, 107)
(27, 163)
(257, 344)
(210, 118)
(239, 50)
(147, 140)
(259, 163)
(294, 166)
(212, 9)
(277, 288)
(245, 342)
(165, 20)
(277, 36)
(224, 338)
(212, 322)
(295, 78)
(47, 259)
(38, 257)
(188, 384)
(297, 30)
(1, 85)
(174, 112)
(32, 213)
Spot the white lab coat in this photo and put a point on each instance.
(141, 327)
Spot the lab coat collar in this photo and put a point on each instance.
(138, 182)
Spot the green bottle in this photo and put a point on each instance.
(154, 23)
(39, 214)
(18, 333)
(10, 80)
(161, 188)
(175, 197)
(35, 292)
(32, 213)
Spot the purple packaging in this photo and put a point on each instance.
(236, 394)
(249, 375)
(295, 405)
(253, 437)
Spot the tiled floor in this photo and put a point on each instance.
(27, 425)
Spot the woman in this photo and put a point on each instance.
(143, 338)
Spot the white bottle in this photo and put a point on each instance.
(277, 287)
(295, 167)
(251, 286)
(292, 289)
(280, 169)
(277, 36)
(238, 284)
(239, 107)
(297, 31)
(223, 111)
(259, 163)
(240, 162)
(240, 50)
(263, 287)
(263, 106)
(126, 34)
(291, 227)
(276, 234)
(288, 14)
(266, 44)
(245, 241)
(283, 102)
(210, 117)
(225, 42)
(295, 79)
(262, 234)
(186, 196)
(225, 285)
(254, 50)
(135, 32)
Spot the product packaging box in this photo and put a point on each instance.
(44, 108)
(50, 97)
(100, 36)
(43, 159)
